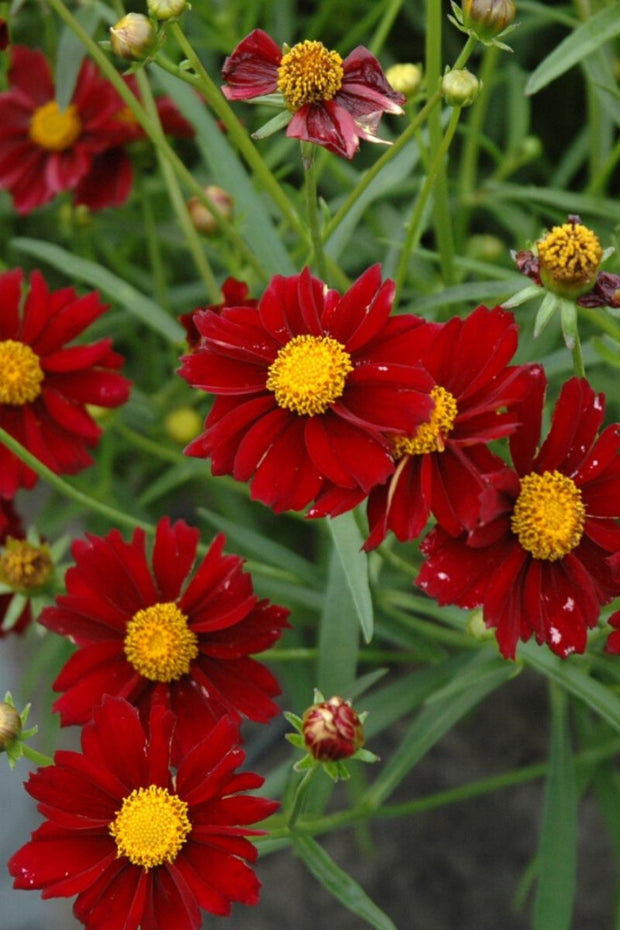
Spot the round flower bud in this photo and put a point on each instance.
(202, 218)
(487, 18)
(10, 725)
(166, 9)
(132, 37)
(460, 87)
(332, 730)
(404, 78)
(183, 424)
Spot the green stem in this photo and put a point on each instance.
(113, 515)
(383, 29)
(153, 245)
(300, 795)
(237, 134)
(308, 157)
(578, 365)
(39, 758)
(414, 228)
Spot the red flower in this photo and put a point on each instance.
(441, 468)
(44, 150)
(335, 103)
(546, 554)
(139, 846)
(45, 384)
(310, 385)
(613, 640)
(164, 635)
(332, 730)
(235, 294)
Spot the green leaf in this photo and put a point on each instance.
(557, 853)
(115, 289)
(587, 38)
(348, 542)
(344, 888)
(70, 55)
(570, 676)
(338, 634)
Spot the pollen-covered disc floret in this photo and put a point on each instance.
(309, 73)
(21, 374)
(151, 827)
(55, 129)
(549, 515)
(24, 566)
(159, 643)
(309, 373)
(430, 437)
(569, 258)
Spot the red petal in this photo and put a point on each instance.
(174, 552)
(326, 124)
(252, 69)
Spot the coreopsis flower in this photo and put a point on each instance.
(167, 633)
(441, 468)
(309, 387)
(45, 150)
(46, 384)
(136, 844)
(332, 730)
(613, 640)
(26, 571)
(546, 555)
(333, 102)
(234, 294)
(11, 529)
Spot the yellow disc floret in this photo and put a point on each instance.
(151, 827)
(431, 436)
(309, 73)
(24, 566)
(55, 129)
(309, 373)
(21, 374)
(159, 643)
(569, 258)
(549, 515)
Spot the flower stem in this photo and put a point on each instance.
(578, 365)
(299, 797)
(39, 758)
(308, 157)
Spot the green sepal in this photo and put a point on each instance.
(274, 125)
(548, 307)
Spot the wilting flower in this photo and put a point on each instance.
(46, 384)
(26, 571)
(11, 621)
(139, 845)
(310, 386)
(234, 294)
(45, 150)
(167, 634)
(334, 102)
(441, 468)
(546, 555)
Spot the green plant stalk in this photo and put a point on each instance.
(603, 320)
(599, 180)
(177, 200)
(308, 157)
(39, 758)
(390, 13)
(414, 227)
(237, 134)
(578, 365)
(299, 798)
(59, 484)
(156, 263)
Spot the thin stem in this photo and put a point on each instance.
(383, 29)
(113, 515)
(308, 157)
(39, 758)
(237, 134)
(578, 365)
(299, 798)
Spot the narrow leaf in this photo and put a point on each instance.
(338, 634)
(348, 542)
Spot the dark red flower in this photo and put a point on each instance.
(45, 150)
(546, 555)
(46, 384)
(310, 386)
(234, 294)
(167, 634)
(613, 640)
(441, 468)
(335, 103)
(142, 847)
(332, 730)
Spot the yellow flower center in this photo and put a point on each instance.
(24, 566)
(309, 373)
(570, 255)
(159, 644)
(21, 374)
(55, 129)
(151, 826)
(431, 436)
(549, 515)
(309, 73)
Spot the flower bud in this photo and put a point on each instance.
(183, 424)
(204, 221)
(404, 78)
(166, 9)
(132, 37)
(460, 88)
(10, 725)
(332, 730)
(487, 18)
